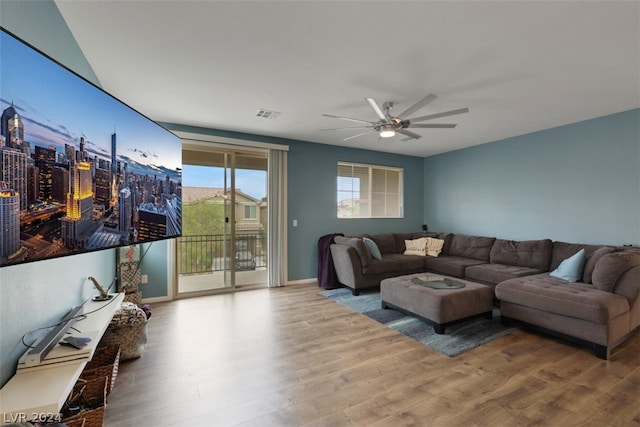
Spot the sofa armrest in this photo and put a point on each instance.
(628, 285)
(347, 264)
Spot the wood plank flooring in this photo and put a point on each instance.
(290, 357)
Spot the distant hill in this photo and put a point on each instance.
(193, 194)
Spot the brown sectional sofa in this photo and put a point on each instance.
(486, 260)
(602, 309)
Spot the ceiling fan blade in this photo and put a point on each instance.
(418, 105)
(438, 115)
(438, 125)
(348, 118)
(376, 108)
(410, 134)
(355, 136)
(354, 127)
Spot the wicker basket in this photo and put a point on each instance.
(133, 296)
(104, 363)
(90, 396)
(73, 423)
(131, 338)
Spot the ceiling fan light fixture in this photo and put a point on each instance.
(387, 132)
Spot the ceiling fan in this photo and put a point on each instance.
(388, 125)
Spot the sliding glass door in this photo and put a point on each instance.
(224, 231)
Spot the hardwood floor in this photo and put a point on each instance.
(290, 357)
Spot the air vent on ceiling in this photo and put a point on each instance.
(268, 114)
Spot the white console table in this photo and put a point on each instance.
(43, 389)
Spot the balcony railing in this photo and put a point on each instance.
(206, 253)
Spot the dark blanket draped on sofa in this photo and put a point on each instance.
(327, 278)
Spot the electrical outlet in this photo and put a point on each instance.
(144, 279)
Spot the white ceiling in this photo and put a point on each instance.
(518, 66)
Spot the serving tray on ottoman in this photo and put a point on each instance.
(440, 305)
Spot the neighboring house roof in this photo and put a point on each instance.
(244, 196)
(193, 194)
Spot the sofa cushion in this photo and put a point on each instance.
(416, 247)
(496, 273)
(447, 237)
(386, 242)
(475, 247)
(611, 266)
(434, 246)
(358, 245)
(373, 248)
(535, 254)
(562, 251)
(572, 299)
(592, 260)
(571, 269)
(450, 265)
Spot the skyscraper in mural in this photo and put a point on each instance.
(11, 128)
(9, 221)
(78, 221)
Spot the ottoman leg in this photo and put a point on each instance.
(438, 328)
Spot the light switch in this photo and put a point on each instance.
(295, 222)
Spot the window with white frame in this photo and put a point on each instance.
(369, 191)
(250, 212)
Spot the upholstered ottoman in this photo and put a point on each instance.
(438, 306)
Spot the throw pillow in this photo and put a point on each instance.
(416, 247)
(373, 248)
(611, 267)
(434, 246)
(571, 269)
(591, 262)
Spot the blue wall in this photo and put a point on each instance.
(312, 200)
(576, 183)
(312, 180)
(39, 293)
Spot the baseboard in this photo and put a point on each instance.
(302, 281)
(156, 299)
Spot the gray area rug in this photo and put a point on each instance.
(457, 338)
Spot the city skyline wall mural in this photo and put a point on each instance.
(79, 170)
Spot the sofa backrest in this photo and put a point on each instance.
(401, 237)
(563, 250)
(475, 247)
(447, 237)
(386, 242)
(526, 253)
(393, 243)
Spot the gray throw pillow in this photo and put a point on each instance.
(372, 247)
